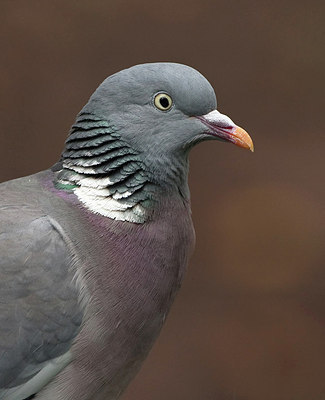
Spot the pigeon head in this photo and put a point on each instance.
(163, 109)
(132, 138)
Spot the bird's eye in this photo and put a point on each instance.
(163, 101)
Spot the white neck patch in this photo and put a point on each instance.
(118, 206)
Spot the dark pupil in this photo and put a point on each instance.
(164, 102)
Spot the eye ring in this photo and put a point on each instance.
(163, 101)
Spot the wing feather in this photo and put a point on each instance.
(40, 311)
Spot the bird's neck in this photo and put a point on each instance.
(108, 176)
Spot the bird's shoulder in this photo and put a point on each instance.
(40, 309)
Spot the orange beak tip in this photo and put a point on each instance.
(242, 139)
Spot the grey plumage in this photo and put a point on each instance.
(40, 311)
(94, 249)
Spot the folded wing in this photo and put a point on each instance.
(40, 312)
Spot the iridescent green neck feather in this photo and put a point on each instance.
(105, 173)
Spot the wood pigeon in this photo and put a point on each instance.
(94, 249)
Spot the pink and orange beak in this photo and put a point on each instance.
(222, 127)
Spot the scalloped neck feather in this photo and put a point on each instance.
(104, 172)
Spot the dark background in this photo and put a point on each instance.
(249, 321)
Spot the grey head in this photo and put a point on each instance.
(130, 142)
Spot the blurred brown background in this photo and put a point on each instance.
(249, 322)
